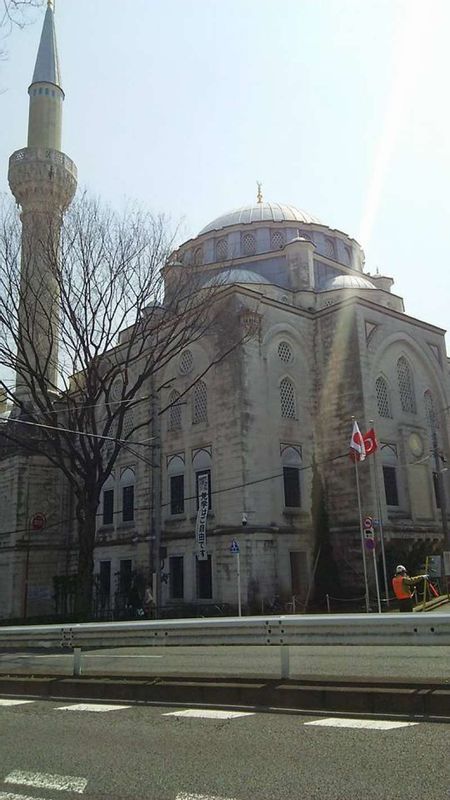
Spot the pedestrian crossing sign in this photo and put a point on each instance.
(234, 548)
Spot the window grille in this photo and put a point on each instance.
(329, 248)
(287, 399)
(285, 352)
(222, 249)
(384, 406)
(128, 423)
(405, 386)
(198, 256)
(277, 240)
(248, 244)
(430, 410)
(174, 412)
(200, 408)
(186, 362)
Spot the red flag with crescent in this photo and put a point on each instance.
(370, 442)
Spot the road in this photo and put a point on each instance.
(147, 752)
(432, 663)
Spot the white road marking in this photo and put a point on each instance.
(208, 713)
(42, 780)
(6, 701)
(370, 724)
(10, 796)
(90, 707)
(85, 655)
(190, 796)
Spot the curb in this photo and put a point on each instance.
(405, 699)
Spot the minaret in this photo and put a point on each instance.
(43, 180)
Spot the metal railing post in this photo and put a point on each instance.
(76, 662)
(284, 656)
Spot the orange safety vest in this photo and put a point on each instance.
(401, 591)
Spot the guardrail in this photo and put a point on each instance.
(281, 631)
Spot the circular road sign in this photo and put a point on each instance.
(368, 522)
(38, 522)
(370, 544)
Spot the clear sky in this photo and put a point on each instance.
(340, 107)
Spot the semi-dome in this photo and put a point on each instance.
(229, 276)
(348, 282)
(260, 212)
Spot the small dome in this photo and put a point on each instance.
(229, 276)
(348, 282)
(260, 212)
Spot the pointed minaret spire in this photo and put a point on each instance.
(46, 94)
(47, 63)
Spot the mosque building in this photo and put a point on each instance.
(263, 435)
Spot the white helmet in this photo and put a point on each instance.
(400, 569)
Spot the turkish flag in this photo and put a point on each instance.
(370, 442)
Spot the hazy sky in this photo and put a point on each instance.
(339, 107)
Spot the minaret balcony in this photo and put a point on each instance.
(42, 179)
(42, 155)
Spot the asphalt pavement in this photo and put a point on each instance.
(325, 662)
(56, 750)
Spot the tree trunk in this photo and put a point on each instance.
(86, 542)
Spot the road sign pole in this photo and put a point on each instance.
(238, 565)
(377, 584)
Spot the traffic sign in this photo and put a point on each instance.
(368, 523)
(234, 547)
(370, 543)
(38, 522)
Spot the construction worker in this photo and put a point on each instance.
(402, 584)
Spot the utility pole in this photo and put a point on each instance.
(155, 542)
(440, 484)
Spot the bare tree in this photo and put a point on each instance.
(14, 13)
(90, 335)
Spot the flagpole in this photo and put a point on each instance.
(361, 529)
(380, 521)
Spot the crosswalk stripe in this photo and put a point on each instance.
(90, 707)
(208, 713)
(8, 701)
(190, 796)
(369, 724)
(42, 780)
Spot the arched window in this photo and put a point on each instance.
(285, 352)
(287, 399)
(248, 244)
(174, 412)
(127, 481)
(128, 423)
(222, 249)
(406, 386)
(383, 403)
(175, 473)
(330, 249)
(198, 256)
(108, 501)
(186, 362)
(277, 240)
(201, 464)
(389, 460)
(430, 411)
(200, 403)
(291, 461)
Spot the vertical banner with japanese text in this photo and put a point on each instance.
(202, 514)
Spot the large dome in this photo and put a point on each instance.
(260, 212)
(228, 276)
